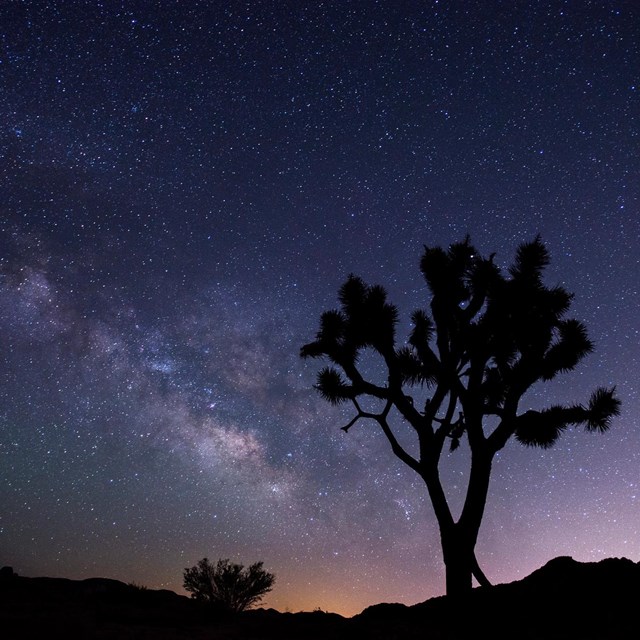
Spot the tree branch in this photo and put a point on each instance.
(505, 429)
(348, 426)
(478, 574)
(501, 434)
(445, 423)
(361, 385)
(362, 414)
(401, 400)
(381, 419)
(409, 460)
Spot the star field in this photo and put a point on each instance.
(184, 187)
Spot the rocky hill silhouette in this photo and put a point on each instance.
(563, 600)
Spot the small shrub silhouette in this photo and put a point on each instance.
(228, 586)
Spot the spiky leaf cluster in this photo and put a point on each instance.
(365, 320)
(543, 428)
(523, 330)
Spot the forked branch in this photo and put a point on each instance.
(381, 419)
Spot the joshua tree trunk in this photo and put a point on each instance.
(459, 538)
(459, 559)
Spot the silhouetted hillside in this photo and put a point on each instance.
(563, 600)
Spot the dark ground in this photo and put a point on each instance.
(563, 600)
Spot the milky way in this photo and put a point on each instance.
(184, 187)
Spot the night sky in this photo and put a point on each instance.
(183, 188)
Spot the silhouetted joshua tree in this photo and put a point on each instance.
(488, 338)
(228, 586)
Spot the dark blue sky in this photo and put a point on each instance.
(184, 186)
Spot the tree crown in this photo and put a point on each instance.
(485, 340)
